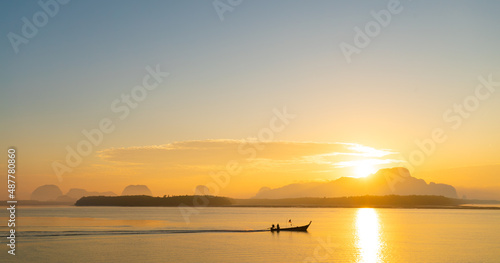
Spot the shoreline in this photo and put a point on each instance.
(381, 206)
(458, 207)
(195, 201)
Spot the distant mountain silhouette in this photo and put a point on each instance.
(392, 181)
(137, 190)
(47, 192)
(53, 193)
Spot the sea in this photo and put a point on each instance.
(239, 234)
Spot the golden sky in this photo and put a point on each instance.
(172, 94)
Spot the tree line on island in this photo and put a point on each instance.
(144, 200)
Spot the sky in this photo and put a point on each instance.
(265, 90)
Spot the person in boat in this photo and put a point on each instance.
(278, 227)
(272, 227)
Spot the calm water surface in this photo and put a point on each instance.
(140, 234)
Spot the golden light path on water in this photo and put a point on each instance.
(368, 236)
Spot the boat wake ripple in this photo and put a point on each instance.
(126, 232)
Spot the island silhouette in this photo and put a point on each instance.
(392, 187)
(391, 181)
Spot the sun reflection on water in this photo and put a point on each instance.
(368, 236)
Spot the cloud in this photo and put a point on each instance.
(355, 163)
(296, 156)
(191, 153)
(365, 151)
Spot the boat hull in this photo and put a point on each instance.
(297, 228)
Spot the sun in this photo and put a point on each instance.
(364, 169)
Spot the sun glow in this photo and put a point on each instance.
(364, 169)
